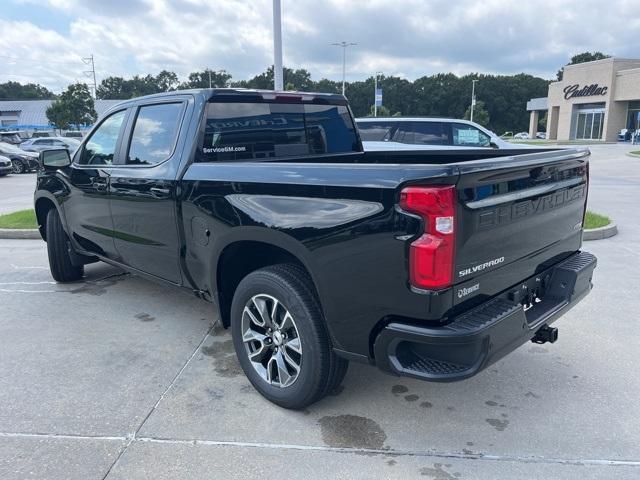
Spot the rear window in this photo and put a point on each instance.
(246, 131)
(376, 131)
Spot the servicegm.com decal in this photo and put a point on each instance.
(480, 267)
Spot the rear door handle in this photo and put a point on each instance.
(160, 192)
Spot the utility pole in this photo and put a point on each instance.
(375, 94)
(91, 73)
(278, 80)
(473, 98)
(344, 46)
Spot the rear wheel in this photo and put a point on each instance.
(18, 166)
(280, 337)
(62, 269)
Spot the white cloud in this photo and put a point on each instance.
(407, 37)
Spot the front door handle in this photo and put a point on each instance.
(160, 192)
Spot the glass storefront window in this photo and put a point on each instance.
(633, 117)
(589, 121)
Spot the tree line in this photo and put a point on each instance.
(500, 106)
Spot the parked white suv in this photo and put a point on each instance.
(409, 133)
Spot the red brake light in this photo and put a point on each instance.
(431, 255)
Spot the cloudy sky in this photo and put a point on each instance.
(44, 41)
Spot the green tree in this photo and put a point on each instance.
(167, 81)
(480, 114)
(73, 108)
(30, 91)
(382, 112)
(219, 79)
(583, 58)
(299, 80)
(119, 88)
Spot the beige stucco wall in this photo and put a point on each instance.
(606, 73)
(627, 85)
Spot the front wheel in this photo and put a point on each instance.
(281, 339)
(17, 166)
(62, 269)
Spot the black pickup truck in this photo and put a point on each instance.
(431, 264)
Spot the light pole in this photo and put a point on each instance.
(344, 46)
(375, 94)
(473, 98)
(278, 82)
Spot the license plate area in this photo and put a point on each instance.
(531, 292)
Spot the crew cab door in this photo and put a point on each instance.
(143, 190)
(86, 206)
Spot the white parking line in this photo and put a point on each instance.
(27, 267)
(8, 290)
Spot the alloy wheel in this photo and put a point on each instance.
(17, 166)
(271, 340)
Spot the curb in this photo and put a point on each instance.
(19, 234)
(600, 233)
(632, 155)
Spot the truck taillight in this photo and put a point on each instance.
(431, 255)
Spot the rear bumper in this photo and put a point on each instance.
(488, 332)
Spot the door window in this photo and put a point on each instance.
(154, 134)
(429, 133)
(376, 131)
(403, 133)
(468, 136)
(101, 146)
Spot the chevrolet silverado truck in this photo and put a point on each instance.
(431, 265)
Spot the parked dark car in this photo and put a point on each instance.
(5, 166)
(22, 161)
(431, 265)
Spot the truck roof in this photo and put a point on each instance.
(210, 93)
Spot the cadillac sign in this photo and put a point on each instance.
(587, 91)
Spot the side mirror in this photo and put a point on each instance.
(493, 144)
(54, 159)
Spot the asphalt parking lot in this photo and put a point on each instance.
(116, 377)
(16, 192)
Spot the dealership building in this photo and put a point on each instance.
(31, 115)
(593, 101)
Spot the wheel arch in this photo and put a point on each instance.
(43, 204)
(240, 257)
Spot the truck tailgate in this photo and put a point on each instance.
(517, 216)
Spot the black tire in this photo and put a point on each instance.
(62, 270)
(18, 166)
(320, 369)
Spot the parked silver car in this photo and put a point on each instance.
(49, 143)
(419, 133)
